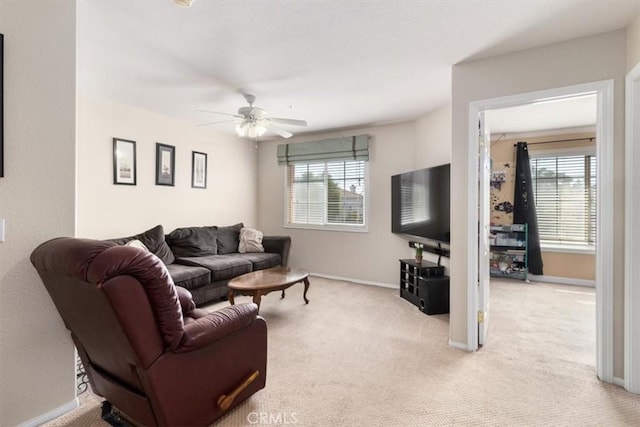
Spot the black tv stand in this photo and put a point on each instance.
(434, 247)
(424, 285)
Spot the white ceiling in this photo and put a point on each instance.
(337, 64)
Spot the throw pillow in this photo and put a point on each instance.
(137, 244)
(153, 239)
(193, 241)
(250, 240)
(229, 239)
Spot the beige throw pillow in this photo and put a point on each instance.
(137, 244)
(250, 240)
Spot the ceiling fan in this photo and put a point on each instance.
(254, 121)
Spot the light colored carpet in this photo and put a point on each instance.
(361, 356)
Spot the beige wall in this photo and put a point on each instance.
(556, 264)
(577, 61)
(372, 256)
(432, 147)
(633, 43)
(108, 210)
(568, 265)
(433, 138)
(37, 197)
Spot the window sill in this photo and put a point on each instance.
(568, 248)
(340, 228)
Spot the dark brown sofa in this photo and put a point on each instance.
(144, 345)
(204, 259)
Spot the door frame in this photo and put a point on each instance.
(632, 234)
(604, 237)
(484, 214)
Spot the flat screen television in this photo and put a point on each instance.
(420, 203)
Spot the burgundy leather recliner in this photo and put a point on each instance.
(144, 345)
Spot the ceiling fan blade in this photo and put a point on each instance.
(224, 114)
(215, 123)
(283, 133)
(289, 121)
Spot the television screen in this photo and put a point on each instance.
(420, 203)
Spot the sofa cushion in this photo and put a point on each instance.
(222, 267)
(250, 240)
(229, 239)
(263, 260)
(189, 276)
(193, 241)
(153, 239)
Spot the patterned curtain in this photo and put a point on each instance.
(524, 207)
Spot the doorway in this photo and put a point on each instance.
(477, 305)
(561, 146)
(529, 310)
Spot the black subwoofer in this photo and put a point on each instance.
(433, 293)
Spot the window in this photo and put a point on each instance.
(564, 188)
(327, 194)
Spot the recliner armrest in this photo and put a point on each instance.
(216, 325)
(278, 245)
(186, 300)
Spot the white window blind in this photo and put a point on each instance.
(565, 196)
(414, 197)
(326, 193)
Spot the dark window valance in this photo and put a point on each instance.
(338, 149)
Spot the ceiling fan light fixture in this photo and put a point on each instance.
(241, 128)
(256, 130)
(183, 3)
(254, 122)
(252, 130)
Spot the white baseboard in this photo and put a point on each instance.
(50, 415)
(618, 381)
(361, 282)
(458, 345)
(563, 280)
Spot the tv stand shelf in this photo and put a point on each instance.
(425, 286)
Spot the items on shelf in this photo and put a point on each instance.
(509, 251)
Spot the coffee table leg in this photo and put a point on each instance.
(306, 288)
(232, 297)
(256, 298)
(282, 294)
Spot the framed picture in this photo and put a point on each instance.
(165, 164)
(124, 162)
(198, 170)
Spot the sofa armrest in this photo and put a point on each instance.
(278, 245)
(216, 325)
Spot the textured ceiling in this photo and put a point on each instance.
(337, 64)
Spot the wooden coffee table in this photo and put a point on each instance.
(261, 282)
